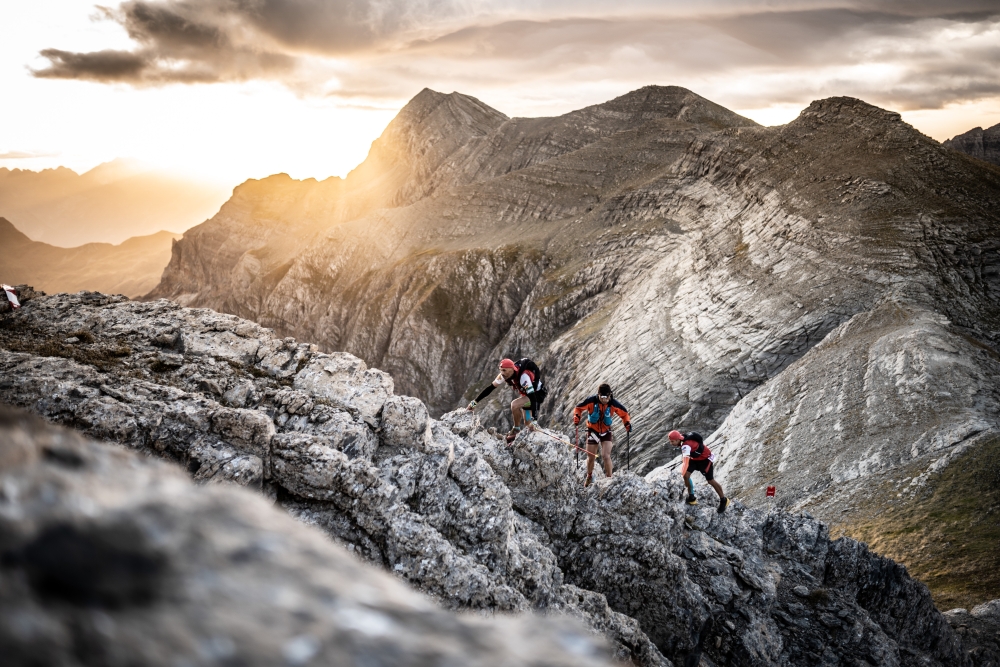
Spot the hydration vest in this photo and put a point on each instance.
(699, 451)
(526, 365)
(594, 416)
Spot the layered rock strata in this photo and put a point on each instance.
(979, 143)
(450, 509)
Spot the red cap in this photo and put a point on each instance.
(675, 435)
(506, 363)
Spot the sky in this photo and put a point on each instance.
(226, 90)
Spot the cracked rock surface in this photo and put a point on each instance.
(444, 505)
(110, 558)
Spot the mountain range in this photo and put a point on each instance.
(110, 203)
(132, 267)
(822, 295)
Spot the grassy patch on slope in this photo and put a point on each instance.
(948, 537)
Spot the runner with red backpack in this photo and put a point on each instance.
(599, 409)
(697, 457)
(526, 379)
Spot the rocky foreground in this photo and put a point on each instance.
(441, 504)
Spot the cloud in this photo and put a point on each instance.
(744, 53)
(24, 155)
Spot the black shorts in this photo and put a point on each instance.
(593, 437)
(705, 467)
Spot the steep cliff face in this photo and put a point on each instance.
(980, 143)
(442, 504)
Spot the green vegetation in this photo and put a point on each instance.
(948, 536)
(102, 355)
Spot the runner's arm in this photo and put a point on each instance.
(686, 458)
(581, 408)
(489, 389)
(622, 413)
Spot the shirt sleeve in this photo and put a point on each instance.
(685, 450)
(526, 383)
(489, 388)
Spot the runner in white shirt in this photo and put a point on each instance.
(526, 379)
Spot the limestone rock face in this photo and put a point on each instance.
(896, 375)
(980, 143)
(110, 558)
(440, 503)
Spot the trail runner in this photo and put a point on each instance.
(697, 457)
(526, 379)
(600, 410)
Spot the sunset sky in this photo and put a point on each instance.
(232, 89)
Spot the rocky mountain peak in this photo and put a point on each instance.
(979, 143)
(849, 109)
(652, 102)
(425, 133)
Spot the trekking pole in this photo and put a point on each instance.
(576, 430)
(628, 449)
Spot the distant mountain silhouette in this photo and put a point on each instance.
(980, 143)
(131, 268)
(110, 203)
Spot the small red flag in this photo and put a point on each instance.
(770, 492)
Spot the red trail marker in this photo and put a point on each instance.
(770, 492)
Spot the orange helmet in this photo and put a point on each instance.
(506, 363)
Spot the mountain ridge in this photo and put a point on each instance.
(111, 202)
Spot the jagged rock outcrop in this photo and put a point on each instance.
(109, 558)
(449, 508)
(980, 143)
(980, 631)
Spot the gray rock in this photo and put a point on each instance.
(109, 558)
(472, 522)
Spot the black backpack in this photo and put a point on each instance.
(700, 449)
(529, 365)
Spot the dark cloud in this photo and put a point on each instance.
(97, 65)
(892, 52)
